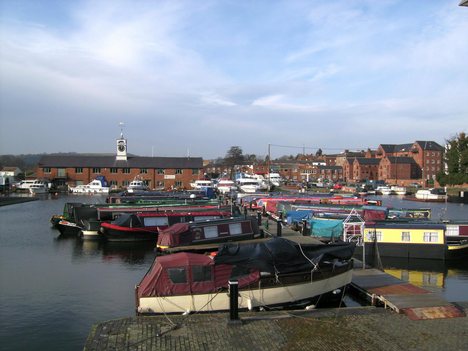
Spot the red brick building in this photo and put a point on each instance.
(429, 156)
(120, 169)
(365, 169)
(398, 170)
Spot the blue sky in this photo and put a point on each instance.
(202, 76)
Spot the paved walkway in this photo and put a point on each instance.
(360, 329)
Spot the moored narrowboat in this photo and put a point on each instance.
(411, 240)
(207, 235)
(145, 226)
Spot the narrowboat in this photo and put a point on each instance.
(145, 226)
(411, 240)
(278, 272)
(207, 235)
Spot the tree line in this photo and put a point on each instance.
(456, 160)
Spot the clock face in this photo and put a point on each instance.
(121, 147)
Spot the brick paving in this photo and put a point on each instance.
(356, 328)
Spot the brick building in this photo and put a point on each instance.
(399, 170)
(429, 156)
(365, 169)
(120, 169)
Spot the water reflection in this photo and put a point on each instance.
(424, 272)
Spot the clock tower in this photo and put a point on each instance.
(121, 146)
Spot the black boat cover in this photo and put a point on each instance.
(280, 255)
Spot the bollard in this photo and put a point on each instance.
(278, 228)
(259, 218)
(233, 302)
(304, 227)
(245, 212)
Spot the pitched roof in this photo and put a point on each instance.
(367, 161)
(111, 162)
(429, 145)
(396, 147)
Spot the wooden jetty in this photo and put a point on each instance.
(402, 297)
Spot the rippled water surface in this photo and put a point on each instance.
(52, 289)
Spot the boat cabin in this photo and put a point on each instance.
(213, 231)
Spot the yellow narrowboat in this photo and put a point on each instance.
(411, 240)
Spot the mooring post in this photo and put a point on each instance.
(279, 227)
(245, 212)
(233, 302)
(304, 227)
(259, 218)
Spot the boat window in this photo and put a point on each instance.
(431, 237)
(155, 221)
(405, 236)
(201, 273)
(374, 235)
(177, 275)
(205, 218)
(211, 232)
(235, 228)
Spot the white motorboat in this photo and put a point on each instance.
(249, 183)
(295, 274)
(201, 184)
(432, 194)
(137, 185)
(225, 186)
(27, 183)
(39, 188)
(398, 190)
(275, 179)
(384, 190)
(97, 186)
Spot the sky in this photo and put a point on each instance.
(197, 77)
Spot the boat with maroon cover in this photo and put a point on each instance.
(277, 272)
(145, 226)
(207, 235)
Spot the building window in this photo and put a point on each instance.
(160, 171)
(97, 170)
(143, 170)
(125, 170)
(405, 236)
(178, 171)
(113, 170)
(125, 183)
(195, 171)
(431, 237)
(46, 169)
(78, 170)
(113, 183)
(178, 184)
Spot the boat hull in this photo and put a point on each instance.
(128, 234)
(279, 295)
(453, 251)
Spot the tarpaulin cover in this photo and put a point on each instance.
(280, 255)
(129, 220)
(297, 216)
(326, 228)
(158, 282)
(171, 235)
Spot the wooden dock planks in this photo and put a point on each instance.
(402, 297)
